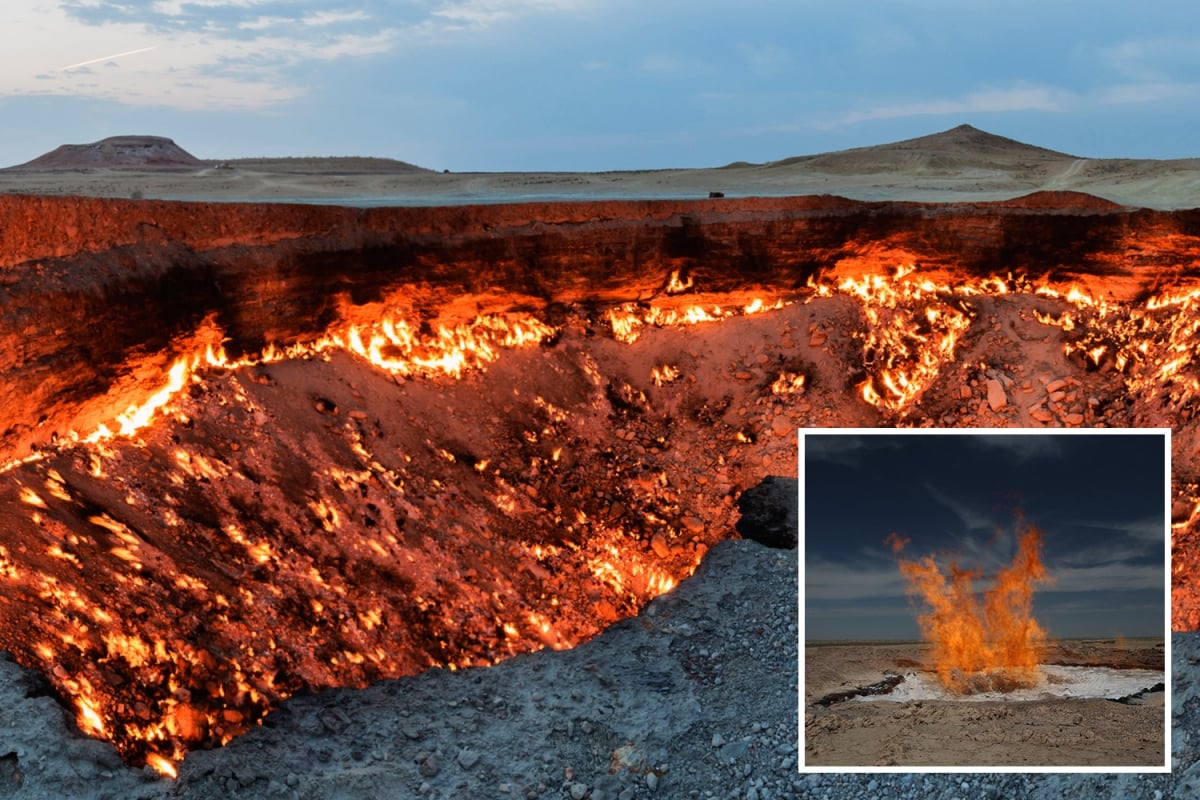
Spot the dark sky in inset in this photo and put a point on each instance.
(1098, 497)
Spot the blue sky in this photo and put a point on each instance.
(1098, 498)
(596, 84)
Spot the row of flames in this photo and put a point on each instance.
(914, 326)
(391, 344)
(394, 345)
(628, 319)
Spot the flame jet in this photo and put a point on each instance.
(981, 643)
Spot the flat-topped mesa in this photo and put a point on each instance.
(116, 152)
(101, 292)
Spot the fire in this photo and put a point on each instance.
(980, 644)
(389, 343)
(664, 374)
(89, 719)
(161, 765)
(788, 383)
(393, 344)
(676, 286)
(627, 575)
(627, 319)
(913, 327)
(137, 417)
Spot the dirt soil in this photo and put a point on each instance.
(1064, 732)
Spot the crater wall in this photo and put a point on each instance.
(100, 292)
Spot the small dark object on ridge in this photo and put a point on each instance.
(716, 194)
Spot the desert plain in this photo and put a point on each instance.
(963, 164)
(961, 731)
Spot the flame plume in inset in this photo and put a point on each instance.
(980, 643)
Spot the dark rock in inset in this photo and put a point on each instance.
(884, 686)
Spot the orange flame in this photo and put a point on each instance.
(161, 765)
(980, 644)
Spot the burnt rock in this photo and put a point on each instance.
(771, 512)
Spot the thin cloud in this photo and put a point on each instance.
(1019, 447)
(225, 54)
(1152, 60)
(668, 65)
(1020, 98)
(1109, 578)
(201, 55)
(323, 18)
(482, 13)
(108, 58)
(968, 516)
(765, 59)
(1147, 92)
(834, 580)
(846, 449)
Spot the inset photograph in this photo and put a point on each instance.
(985, 600)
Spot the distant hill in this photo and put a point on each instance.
(945, 152)
(160, 153)
(116, 152)
(344, 165)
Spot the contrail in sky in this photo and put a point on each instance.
(107, 58)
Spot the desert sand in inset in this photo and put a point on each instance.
(1047, 733)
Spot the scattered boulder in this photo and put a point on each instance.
(771, 512)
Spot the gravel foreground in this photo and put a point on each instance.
(694, 698)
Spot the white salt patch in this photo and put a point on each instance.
(1055, 683)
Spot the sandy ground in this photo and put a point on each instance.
(963, 164)
(1033, 733)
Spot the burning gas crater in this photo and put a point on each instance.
(393, 497)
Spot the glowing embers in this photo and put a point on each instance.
(628, 319)
(389, 343)
(1155, 346)
(980, 644)
(913, 328)
(395, 345)
(250, 543)
(628, 574)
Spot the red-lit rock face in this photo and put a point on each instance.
(398, 438)
(100, 291)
